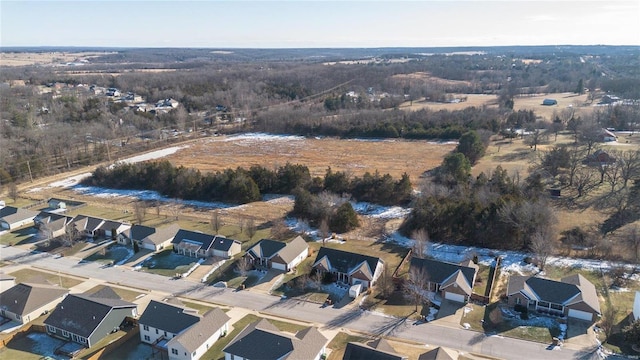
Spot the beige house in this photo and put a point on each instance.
(26, 302)
(277, 254)
(349, 268)
(573, 296)
(452, 281)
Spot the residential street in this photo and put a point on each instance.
(353, 319)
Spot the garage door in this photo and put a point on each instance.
(583, 315)
(454, 297)
(277, 266)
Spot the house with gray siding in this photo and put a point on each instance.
(87, 319)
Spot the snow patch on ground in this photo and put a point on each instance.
(379, 211)
(442, 142)
(512, 261)
(147, 195)
(432, 314)
(152, 155)
(278, 199)
(263, 137)
(129, 255)
(70, 181)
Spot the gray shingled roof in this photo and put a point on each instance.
(193, 337)
(24, 298)
(357, 351)
(164, 233)
(12, 214)
(266, 248)
(139, 232)
(439, 353)
(439, 271)
(89, 223)
(262, 340)
(293, 249)
(222, 243)
(167, 317)
(201, 238)
(570, 290)
(588, 292)
(81, 314)
(345, 261)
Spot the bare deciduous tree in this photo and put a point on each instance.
(243, 265)
(415, 288)
(385, 283)
(279, 229)
(542, 247)
(629, 166)
(420, 243)
(632, 239)
(140, 211)
(216, 221)
(608, 321)
(174, 209)
(583, 181)
(13, 191)
(251, 228)
(324, 230)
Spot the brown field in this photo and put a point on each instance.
(477, 100)
(566, 102)
(353, 156)
(428, 78)
(28, 58)
(87, 73)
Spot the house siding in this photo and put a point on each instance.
(110, 322)
(579, 306)
(153, 336)
(183, 354)
(523, 300)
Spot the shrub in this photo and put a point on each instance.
(520, 308)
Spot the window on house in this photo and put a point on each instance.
(64, 333)
(556, 307)
(174, 351)
(51, 329)
(147, 338)
(17, 317)
(543, 304)
(146, 327)
(165, 333)
(157, 332)
(517, 301)
(194, 354)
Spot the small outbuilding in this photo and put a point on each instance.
(549, 102)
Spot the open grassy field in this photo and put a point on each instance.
(477, 100)
(354, 156)
(42, 58)
(566, 101)
(35, 276)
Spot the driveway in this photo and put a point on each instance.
(450, 313)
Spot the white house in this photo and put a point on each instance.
(636, 306)
(182, 334)
(196, 340)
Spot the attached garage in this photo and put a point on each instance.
(454, 297)
(278, 266)
(582, 315)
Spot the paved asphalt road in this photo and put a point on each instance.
(353, 319)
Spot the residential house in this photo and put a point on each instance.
(636, 307)
(87, 319)
(610, 99)
(57, 204)
(378, 349)
(26, 302)
(51, 225)
(13, 217)
(349, 268)
(6, 282)
(262, 340)
(197, 244)
(111, 229)
(607, 136)
(441, 353)
(277, 254)
(150, 238)
(452, 281)
(87, 226)
(573, 296)
(599, 158)
(181, 334)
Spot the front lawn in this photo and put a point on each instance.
(19, 236)
(29, 275)
(509, 323)
(167, 263)
(114, 254)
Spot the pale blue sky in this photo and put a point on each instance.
(269, 24)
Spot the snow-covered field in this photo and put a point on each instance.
(253, 137)
(379, 211)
